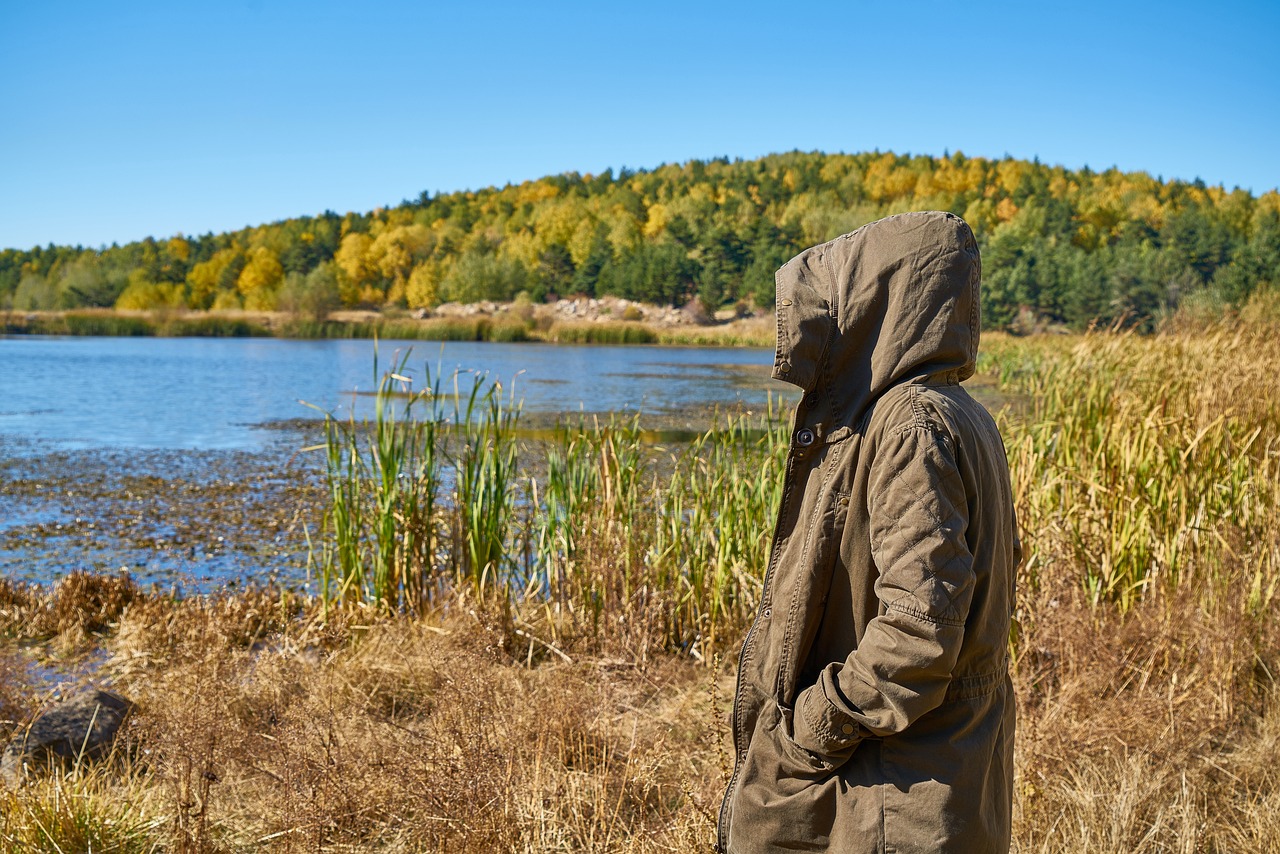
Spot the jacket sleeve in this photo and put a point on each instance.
(919, 518)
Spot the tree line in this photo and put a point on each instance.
(1059, 245)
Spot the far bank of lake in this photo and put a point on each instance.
(567, 321)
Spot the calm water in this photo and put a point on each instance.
(215, 394)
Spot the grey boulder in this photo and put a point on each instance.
(82, 726)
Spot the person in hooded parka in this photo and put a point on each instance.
(874, 710)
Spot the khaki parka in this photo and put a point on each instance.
(874, 711)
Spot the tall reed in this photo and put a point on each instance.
(383, 478)
(1146, 462)
(422, 505)
(484, 468)
(595, 506)
(711, 537)
(1129, 477)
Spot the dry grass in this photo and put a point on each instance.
(261, 727)
(1145, 664)
(369, 731)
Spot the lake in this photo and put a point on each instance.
(218, 393)
(179, 461)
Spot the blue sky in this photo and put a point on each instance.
(119, 121)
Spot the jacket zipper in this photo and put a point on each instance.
(739, 736)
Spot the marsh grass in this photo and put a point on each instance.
(432, 329)
(84, 809)
(713, 528)
(503, 327)
(607, 332)
(484, 476)
(79, 323)
(379, 534)
(1149, 463)
(93, 323)
(750, 332)
(105, 322)
(591, 523)
(211, 326)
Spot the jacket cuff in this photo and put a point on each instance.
(821, 726)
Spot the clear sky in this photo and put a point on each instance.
(122, 120)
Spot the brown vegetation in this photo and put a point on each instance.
(623, 322)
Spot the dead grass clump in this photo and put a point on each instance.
(156, 631)
(15, 606)
(418, 737)
(89, 602)
(75, 613)
(82, 602)
(1131, 725)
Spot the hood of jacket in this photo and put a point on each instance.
(895, 301)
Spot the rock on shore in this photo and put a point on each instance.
(82, 725)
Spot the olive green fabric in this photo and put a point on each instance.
(874, 710)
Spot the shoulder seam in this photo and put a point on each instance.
(920, 419)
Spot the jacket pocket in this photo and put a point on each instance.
(792, 754)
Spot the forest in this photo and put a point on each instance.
(1060, 246)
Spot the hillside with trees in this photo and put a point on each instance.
(1059, 245)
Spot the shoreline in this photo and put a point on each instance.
(579, 321)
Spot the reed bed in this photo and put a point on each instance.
(1148, 466)
(503, 327)
(748, 332)
(110, 323)
(525, 645)
(600, 332)
(430, 502)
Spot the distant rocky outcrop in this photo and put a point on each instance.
(81, 726)
(575, 309)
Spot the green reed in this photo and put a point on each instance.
(592, 522)
(591, 526)
(711, 538)
(210, 326)
(504, 329)
(601, 332)
(79, 323)
(383, 478)
(567, 494)
(484, 467)
(1130, 478)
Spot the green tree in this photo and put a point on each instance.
(1254, 265)
(84, 283)
(313, 296)
(34, 293)
(555, 269)
(477, 276)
